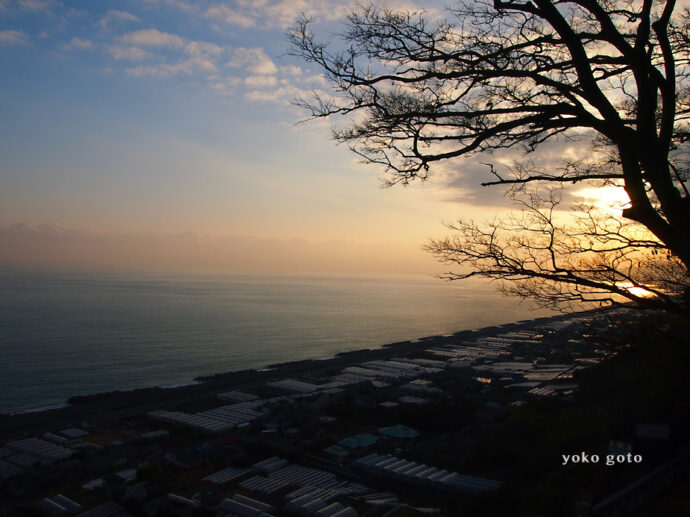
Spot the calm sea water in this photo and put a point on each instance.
(64, 334)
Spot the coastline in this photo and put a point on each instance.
(68, 335)
(137, 401)
(454, 421)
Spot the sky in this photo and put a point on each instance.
(159, 134)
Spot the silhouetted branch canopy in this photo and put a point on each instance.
(416, 90)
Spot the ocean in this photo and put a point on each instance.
(75, 333)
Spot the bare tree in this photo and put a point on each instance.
(612, 74)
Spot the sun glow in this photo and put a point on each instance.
(609, 197)
(640, 292)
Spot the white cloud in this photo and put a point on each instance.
(194, 56)
(153, 38)
(122, 53)
(226, 85)
(247, 72)
(79, 43)
(184, 67)
(257, 77)
(224, 14)
(292, 70)
(179, 4)
(263, 13)
(260, 81)
(203, 55)
(13, 37)
(117, 17)
(254, 60)
(283, 13)
(162, 70)
(271, 14)
(202, 64)
(36, 5)
(316, 79)
(203, 48)
(280, 95)
(264, 67)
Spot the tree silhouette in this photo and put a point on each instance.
(610, 74)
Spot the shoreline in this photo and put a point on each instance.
(433, 406)
(140, 400)
(80, 335)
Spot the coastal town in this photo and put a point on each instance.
(384, 432)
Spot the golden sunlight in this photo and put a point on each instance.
(636, 291)
(608, 197)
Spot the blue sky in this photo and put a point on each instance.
(167, 117)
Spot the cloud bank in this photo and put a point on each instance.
(49, 245)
